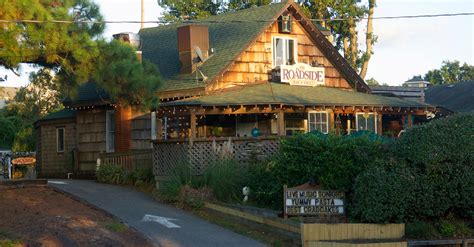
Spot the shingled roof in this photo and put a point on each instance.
(229, 35)
(458, 97)
(279, 93)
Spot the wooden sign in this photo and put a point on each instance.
(24, 161)
(307, 200)
(302, 74)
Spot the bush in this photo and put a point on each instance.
(110, 174)
(383, 195)
(441, 153)
(169, 190)
(333, 160)
(226, 179)
(264, 191)
(421, 230)
(431, 177)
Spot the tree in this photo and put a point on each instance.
(372, 82)
(127, 80)
(70, 47)
(449, 73)
(74, 50)
(345, 32)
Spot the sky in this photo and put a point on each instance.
(405, 47)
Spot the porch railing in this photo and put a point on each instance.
(129, 161)
(199, 153)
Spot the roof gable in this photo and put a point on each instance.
(230, 35)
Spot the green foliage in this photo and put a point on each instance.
(115, 226)
(71, 47)
(333, 160)
(110, 174)
(10, 125)
(170, 189)
(25, 140)
(446, 229)
(383, 195)
(431, 175)
(421, 230)
(126, 79)
(226, 179)
(440, 152)
(450, 72)
(264, 190)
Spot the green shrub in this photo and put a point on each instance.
(264, 191)
(110, 174)
(421, 230)
(446, 229)
(441, 152)
(169, 190)
(383, 195)
(226, 179)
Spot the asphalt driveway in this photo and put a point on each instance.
(162, 224)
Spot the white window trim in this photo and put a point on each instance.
(107, 132)
(57, 139)
(295, 55)
(327, 120)
(362, 115)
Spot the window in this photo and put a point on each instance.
(366, 121)
(318, 120)
(60, 142)
(284, 51)
(110, 131)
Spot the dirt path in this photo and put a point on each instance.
(41, 216)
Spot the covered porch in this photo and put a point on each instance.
(250, 121)
(275, 109)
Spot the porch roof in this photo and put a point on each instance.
(279, 93)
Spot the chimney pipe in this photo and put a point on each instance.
(191, 36)
(133, 40)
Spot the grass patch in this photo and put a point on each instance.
(115, 226)
(9, 240)
(253, 230)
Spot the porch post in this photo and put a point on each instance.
(331, 121)
(379, 123)
(409, 120)
(281, 123)
(193, 126)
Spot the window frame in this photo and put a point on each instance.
(370, 113)
(316, 123)
(57, 139)
(108, 131)
(295, 48)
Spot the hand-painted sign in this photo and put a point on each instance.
(24, 161)
(303, 200)
(301, 74)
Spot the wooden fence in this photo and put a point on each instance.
(198, 154)
(129, 161)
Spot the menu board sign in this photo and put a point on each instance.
(299, 201)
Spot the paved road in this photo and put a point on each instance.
(131, 206)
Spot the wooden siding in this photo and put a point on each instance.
(55, 163)
(255, 63)
(141, 130)
(91, 137)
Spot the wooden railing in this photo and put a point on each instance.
(129, 161)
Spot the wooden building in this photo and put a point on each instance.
(267, 70)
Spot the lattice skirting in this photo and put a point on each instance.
(199, 154)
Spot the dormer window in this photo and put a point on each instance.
(284, 51)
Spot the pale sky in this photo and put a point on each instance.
(405, 47)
